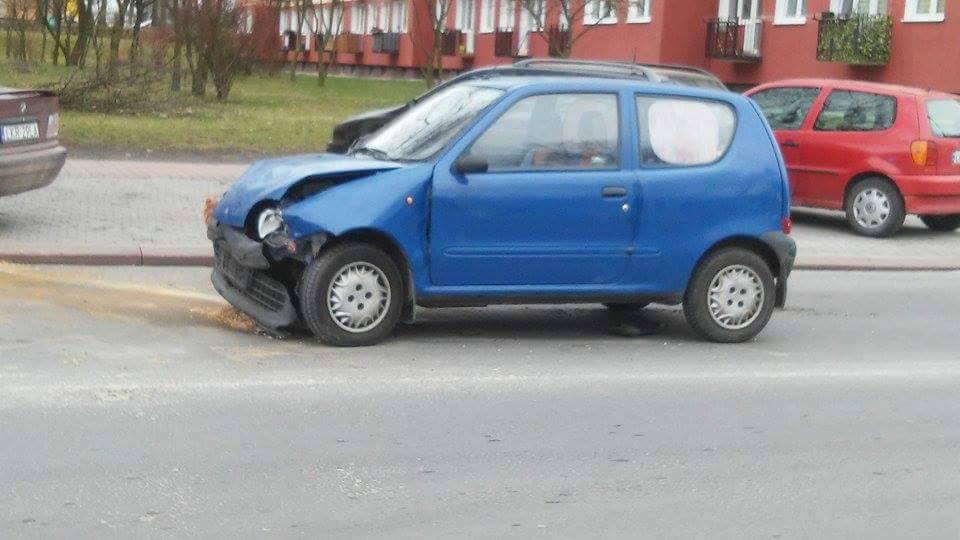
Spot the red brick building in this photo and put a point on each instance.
(744, 42)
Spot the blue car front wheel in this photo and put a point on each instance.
(351, 295)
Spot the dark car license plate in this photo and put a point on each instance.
(236, 274)
(19, 132)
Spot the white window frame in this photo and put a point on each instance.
(487, 15)
(781, 17)
(591, 11)
(507, 9)
(933, 15)
(636, 15)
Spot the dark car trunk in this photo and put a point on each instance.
(25, 107)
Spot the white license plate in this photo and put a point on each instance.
(20, 132)
(956, 157)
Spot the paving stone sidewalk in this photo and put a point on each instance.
(142, 208)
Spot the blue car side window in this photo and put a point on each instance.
(553, 132)
(683, 132)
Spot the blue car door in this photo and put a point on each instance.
(556, 205)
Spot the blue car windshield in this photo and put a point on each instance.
(426, 128)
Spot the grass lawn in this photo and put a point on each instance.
(264, 115)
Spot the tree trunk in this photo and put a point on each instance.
(84, 27)
(177, 64)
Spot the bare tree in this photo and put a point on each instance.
(116, 35)
(19, 14)
(330, 24)
(574, 19)
(301, 9)
(432, 15)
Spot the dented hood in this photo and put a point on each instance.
(270, 179)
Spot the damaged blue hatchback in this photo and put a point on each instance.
(519, 190)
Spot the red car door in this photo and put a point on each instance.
(788, 110)
(848, 132)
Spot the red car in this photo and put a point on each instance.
(876, 151)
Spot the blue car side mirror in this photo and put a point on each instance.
(469, 164)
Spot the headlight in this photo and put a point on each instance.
(53, 125)
(269, 222)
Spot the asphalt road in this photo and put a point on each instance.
(133, 405)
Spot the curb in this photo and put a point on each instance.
(203, 258)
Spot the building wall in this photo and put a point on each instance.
(923, 54)
(926, 55)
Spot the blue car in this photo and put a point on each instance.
(519, 190)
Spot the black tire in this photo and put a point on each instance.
(946, 223)
(895, 212)
(625, 307)
(316, 281)
(696, 304)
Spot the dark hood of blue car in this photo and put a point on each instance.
(272, 179)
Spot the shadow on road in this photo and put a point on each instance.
(818, 221)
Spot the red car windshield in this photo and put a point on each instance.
(944, 115)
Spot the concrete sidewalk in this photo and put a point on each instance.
(148, 212)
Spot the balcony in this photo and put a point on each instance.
(860, 40)
(387, 43)
(503, 44)
(735, 40)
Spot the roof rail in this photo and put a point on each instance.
(603, 68)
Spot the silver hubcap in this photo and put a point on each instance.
(735, 297)
(871, 208)
(358, 297)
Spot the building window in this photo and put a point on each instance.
(398, 16)
(486, 16)
(925, 11)
(508, 10)
(464, 18)
(638, 11)
(599, 12)
(358, 18)
(790, 12)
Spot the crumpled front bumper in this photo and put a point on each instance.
(240, 274)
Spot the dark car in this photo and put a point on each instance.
(347, 132)
(30, 153)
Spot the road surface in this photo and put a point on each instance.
(133, 404)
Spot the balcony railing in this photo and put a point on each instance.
(388, 43)
(862, 40)
(734, 39)
(558, 41)
(503, 44)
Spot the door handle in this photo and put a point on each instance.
(613, 192)
(790, 144)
